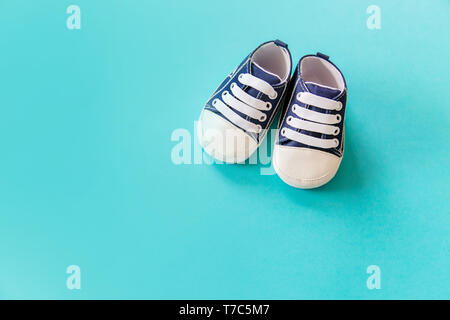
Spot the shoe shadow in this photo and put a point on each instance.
(349, 175)
(349, 178)
(344, 192)
(259, 164)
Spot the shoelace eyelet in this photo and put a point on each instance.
(289, 119)
(336, 132)
(273, 96)
(338, 118)
(263, 118)
(336, 141)
(268, 106)
(340, 106)
(259, 128)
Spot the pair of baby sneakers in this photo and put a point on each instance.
(310, 139)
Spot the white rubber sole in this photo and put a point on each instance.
(309, 183)
(239, 156)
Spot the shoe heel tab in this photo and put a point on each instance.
(281, 43)
(323, 56)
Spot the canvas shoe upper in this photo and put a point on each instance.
(237, 116)
(310, 139)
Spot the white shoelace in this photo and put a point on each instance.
(245, 103)
(318, 122)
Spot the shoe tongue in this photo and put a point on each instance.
(262, 74)
(322, 91)
(265, 75)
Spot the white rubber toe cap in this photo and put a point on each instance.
(222, 140)
(303, 167)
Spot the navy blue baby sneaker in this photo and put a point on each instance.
(310, 140)
(236, 118)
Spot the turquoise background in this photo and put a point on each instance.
(86, 176)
